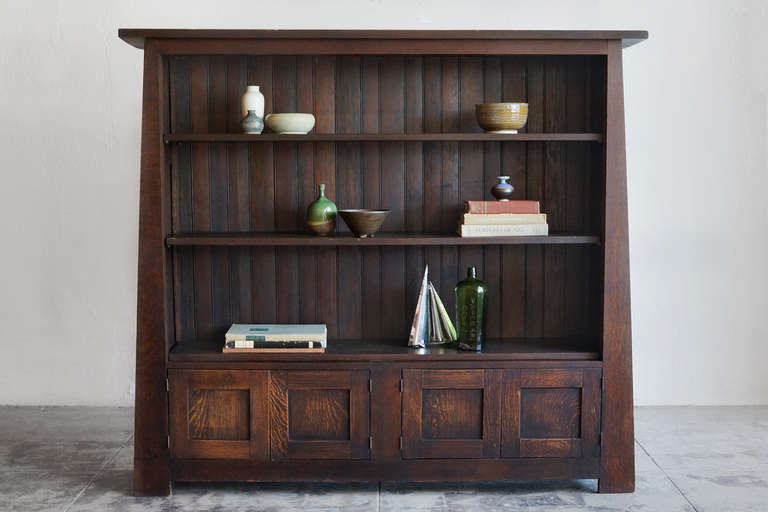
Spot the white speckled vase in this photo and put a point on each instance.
(253, 100)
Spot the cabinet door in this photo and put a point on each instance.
(451, 414)
(319, 415)
(551, 413)
(218, 414)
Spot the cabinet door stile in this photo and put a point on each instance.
(278, 416)
(510, 415)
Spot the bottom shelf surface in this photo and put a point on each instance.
(511, 349)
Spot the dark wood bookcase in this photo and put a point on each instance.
(222, 240)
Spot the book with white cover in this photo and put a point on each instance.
(278, 332)
(480, 230)
(505, 218)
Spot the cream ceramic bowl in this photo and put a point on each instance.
(293, 123)
(501, 117)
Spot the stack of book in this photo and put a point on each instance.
(275, 338)
(503, 218)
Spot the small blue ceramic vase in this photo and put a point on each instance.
(252, 123)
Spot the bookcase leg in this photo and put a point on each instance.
(616, 483)
(151, 477)
(617, 467)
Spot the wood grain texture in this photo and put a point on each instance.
(315, 415)
(219, 413)
(452, 414)
(151, 458)
(551, 412)
(319, 415)
(510, 414)
(278, 416)
(618, 441)
(425, 470)
(444, 420)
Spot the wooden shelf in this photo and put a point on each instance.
(512, 349)
(382, 137)
(383, 239)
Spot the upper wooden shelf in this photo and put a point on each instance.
(511, 349)
(136, 36)
(382, 239)
(381, 137)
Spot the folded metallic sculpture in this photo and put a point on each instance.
(431, 323)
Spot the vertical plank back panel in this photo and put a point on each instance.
(286, 194)
(392, 156)
(471, 158)
(433, 173)
(414, 180)
(325, 172)
(451, 206)
(513, 163)
(371, 292)
(218, 111)
(371, 182)
(534, 190)
(201, 196)
(261, 164)
(492, 263)
(555, 194)
(181, 165)
(307, 192)
(349, 193)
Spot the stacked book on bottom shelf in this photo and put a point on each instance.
(503, 218)
(275, 338)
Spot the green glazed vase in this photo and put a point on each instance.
(471, 311)
(321, 215)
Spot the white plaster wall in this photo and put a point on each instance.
(69, 154)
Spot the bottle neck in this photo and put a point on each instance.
(471, 273)
(322, 190)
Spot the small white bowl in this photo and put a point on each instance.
(290, 123)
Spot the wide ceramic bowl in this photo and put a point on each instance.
(501, 117)
(363, 223)
(290, 123)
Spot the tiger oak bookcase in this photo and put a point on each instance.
(222, 240)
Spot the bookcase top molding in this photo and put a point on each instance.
(136, 36)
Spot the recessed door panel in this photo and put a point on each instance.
(218, 414)
(551, 413)
(451, 413)
(319, 415)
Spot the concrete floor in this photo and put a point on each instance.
(688, 459)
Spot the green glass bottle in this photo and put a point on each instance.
(321, 214)
(471, 309)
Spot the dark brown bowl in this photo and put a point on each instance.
(363, 223)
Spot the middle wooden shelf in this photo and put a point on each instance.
(383, 137)
(383, 239)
